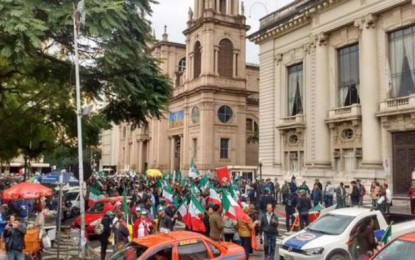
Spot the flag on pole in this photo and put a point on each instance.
(168, 194)
(196, 213)
(214, 197)
(204, 183)
(124, 202)
(232, 208)
(94, 196)
(224, 176)
(193, 171)
(183, 211)
(388, 233)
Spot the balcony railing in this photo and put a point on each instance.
(341, 113)
(291, 122)
(397, 105)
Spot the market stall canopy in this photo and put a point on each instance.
(154, 173)
(26, 190)
(53, 178)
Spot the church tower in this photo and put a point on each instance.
(216, 39)
(212, 93)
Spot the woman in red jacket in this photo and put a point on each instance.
(142, 226)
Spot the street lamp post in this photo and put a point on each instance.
(77, 16)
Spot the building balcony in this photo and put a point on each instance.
(395, 106)
(291, 122)
(348, 113)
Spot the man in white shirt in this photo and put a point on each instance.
(388, 197)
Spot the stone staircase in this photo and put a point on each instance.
(67, 249)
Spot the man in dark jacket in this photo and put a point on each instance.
(103, 238)
(303, 207)
(165, 221)
(266, 199)
(290, 203)
(269, 227)
(14, 239)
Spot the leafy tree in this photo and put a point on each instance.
(37, 71)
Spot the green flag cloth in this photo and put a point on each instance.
(388, 233)
(124, 202)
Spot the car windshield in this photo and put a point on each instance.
(397, 250)
(71, 196)
(97, 208)
(331, 224)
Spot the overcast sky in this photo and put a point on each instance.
(173, 13)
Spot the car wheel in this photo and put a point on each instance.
(338, 256)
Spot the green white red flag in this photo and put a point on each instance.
(168, 194)
(232, 208)
(214, 197)
(94, 196)
(193, 171)
(194, 217)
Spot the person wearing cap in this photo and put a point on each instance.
(164, 221)
(103, 238)
(137, 214)
(303, 207)
(142, 226)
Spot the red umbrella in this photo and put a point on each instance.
(26, 190)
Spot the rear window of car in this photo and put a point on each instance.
(331, 224)
(397, 250)
(193, 250)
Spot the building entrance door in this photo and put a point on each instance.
(403, 145)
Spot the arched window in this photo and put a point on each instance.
(225, 60)
(222, 6)
(182, 65)
(197, 60)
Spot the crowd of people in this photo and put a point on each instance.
(149, 212)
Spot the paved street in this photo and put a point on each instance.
(69, 251)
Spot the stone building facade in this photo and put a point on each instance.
(215, 103)
(337, 91)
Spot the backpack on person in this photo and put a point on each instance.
(285, 189)
(99, 228)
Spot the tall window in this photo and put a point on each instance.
(224, 148)
(348, 58)
(222, 6)
(197, 60)
(194, 148)
(402, 61)
(295, 89)
(182, 65)
(225, 58)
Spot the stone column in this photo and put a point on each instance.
(319, 132)
(216, 51)
(369, 92)
(217, 6)
(235, 64)
(277, 109)
(140, 163)
(171, 138)
(182, 162)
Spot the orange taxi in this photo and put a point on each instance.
(178, 245)
(402, 248)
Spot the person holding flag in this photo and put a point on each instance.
(245, 230)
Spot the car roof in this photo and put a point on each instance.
(410, 237)
(175, 236)
(353, 212)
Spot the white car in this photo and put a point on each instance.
(326, 238)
